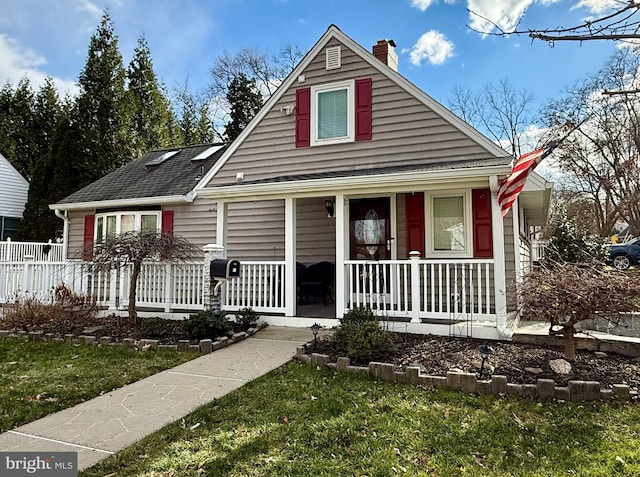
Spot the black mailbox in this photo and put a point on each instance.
(223, 269)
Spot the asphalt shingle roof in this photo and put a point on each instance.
(177, 175)
(426, 167)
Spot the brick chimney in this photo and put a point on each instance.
(385, 52)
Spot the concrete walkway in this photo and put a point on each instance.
(101, 427)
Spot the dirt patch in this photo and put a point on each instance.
(521, 363)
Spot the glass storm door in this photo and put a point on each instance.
(370, 229)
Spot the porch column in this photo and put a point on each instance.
(342, 241)
(221, 224)
(515, 210)
(290, 297)
(499, 272)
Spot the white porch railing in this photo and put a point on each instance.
(261, 286)
(37, 251)
(162, 287)
(537, 249)
(423, 289)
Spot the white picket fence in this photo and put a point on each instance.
(37, 251)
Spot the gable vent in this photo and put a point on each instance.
(334, 58)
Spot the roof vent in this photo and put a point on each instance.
(207, 153)
(334, 58)
(160, 159)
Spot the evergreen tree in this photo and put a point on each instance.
(151, 119)
(245, 101)
(101, 106)
(194, 125)
(7, 144)
(38, 222)
(22, 129)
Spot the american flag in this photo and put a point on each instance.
(510, 187)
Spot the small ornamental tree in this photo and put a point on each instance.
(133, 248)
(565, 294)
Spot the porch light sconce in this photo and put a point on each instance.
(328, 204)
(485, 351)
(314, 329)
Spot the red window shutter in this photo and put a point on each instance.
(167, 221)
(87, 244)
(303, 117)
(363, 109)
(482, 230)
(414, 205)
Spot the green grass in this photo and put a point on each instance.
(38, 378)
(297, 421)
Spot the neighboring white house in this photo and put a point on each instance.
(13, 197)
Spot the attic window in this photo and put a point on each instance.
(206, 153)
(334, 58)
(160, 159)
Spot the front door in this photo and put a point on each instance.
(370, 226)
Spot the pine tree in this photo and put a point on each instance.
(102, 107)
(151, 118)
(22, 129)
(194, 125)
(38, 222)
(7, 144)
(245, 101)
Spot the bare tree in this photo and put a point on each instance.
(603, 154)
(498, 110)
(133, 248)
(565, 294)
(620, 23)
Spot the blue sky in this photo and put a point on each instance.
(437, 51)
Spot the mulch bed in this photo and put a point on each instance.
(521, 363)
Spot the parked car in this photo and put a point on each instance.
(623, 255)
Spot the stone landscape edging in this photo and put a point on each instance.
(204, 346)
(544, 389)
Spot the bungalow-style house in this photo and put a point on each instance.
(351, 187)
(15, 190)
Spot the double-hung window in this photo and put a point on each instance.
(450, 227)
(332, 115)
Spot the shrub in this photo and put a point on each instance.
(65, 312)
(360, 337)
(247, 316)
(206, 324)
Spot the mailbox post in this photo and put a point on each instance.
(220, 271)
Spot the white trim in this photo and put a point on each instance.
(349, 86)
(334, 32)
(499, 269)
(290, 299)
(123, 203)
(118, 215)
(430, 251)
(342, 247)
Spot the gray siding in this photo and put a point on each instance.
(405, 132)
(255, 230)
(195, 221)
(76, 233)
(316, 233)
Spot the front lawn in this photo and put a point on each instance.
(297, 421)
(38, 378)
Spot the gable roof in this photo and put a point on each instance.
(167, 175)
(333, 32)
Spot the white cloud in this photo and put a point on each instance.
(598, 6)
(432, 46)
(17, 61)
(424, 4)
(484, 14)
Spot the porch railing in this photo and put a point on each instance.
(261, 286)
(36, 251)
(162, 287)
(423, 289)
